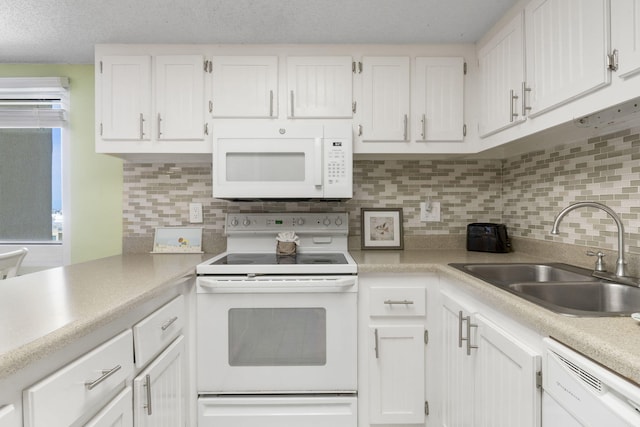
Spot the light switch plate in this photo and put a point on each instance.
(195, 213)
(430, 213)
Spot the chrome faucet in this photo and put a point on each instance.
(620, 263)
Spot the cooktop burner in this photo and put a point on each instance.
(273, 259)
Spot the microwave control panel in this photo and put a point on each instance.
(338, 162)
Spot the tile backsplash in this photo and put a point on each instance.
(525, 192)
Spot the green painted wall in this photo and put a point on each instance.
(96, 179)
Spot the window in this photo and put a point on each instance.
(32, 130)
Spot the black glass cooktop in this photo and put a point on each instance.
(273, 259)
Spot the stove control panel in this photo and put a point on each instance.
(298, 222)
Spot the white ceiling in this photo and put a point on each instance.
(65, 31)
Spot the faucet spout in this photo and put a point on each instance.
(620, 263)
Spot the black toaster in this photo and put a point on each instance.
(487, 237)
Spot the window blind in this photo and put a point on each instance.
(33, 102)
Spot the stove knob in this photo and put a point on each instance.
(300, 221)
(234, 222)
(327, 222)
(338, 221)
(246, 222)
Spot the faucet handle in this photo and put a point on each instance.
(599, 263)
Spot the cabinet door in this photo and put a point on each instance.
(9, 416)
(625, 35)
(385, 99)
(159, 390)
(396, 375)
(501, 66)
(320, 86)
(125, 97)
(566, 44)
(118, 413)
(506, 371)
(179, 97)
(439, 99)
(245, 86)
(457, 365)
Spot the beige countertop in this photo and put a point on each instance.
(611, 341)
(45, 311)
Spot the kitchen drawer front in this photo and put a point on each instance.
(81, 387)
(158, 330)
(397, 301)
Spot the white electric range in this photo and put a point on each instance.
(277, 335)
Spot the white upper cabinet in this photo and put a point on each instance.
(438, 96)
(180, 97)
(319, 87)
(566, 49)
(385, 99)
(501, 67)
(625, 35)
(245, 86)
(125, 97)
(151, 104)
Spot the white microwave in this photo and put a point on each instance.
(283, 160)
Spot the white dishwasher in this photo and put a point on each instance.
(578, 392)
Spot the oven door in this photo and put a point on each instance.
(277, 335)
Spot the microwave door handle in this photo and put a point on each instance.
(319, 163)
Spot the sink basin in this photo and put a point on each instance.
(582, 298)
(506, 274)
(561, 288)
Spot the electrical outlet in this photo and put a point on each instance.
(430, 211)
(195, 213)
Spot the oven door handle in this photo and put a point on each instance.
(257, 285)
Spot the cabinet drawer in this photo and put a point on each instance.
(156, 331)
(82, 386)
(394, 301)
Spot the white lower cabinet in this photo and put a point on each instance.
(159, 395)
(118, 413)
(490, 376)
(81, 388)
(9, 417)
(392, 349)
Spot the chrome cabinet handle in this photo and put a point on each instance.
(105, 374)
(211, 106)
(424, 127)
(270, 103)
(525, 108)
(406, 121)
(392, 302)
(512, 98)
(141, 126)
(469, 326)
(292, 109)
(168, 323)
(159, 125)
(147, 384)
(359, 130)
(376, 349)
(460, 320)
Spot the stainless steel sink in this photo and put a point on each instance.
(561, 288)
(505, 274)
(582, 298)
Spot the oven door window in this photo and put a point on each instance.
(277, 336)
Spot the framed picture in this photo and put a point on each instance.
(381, 228)
(173, 240)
